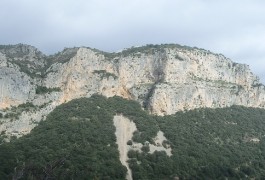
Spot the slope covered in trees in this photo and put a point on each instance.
(77, 141)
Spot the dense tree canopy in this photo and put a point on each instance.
(77, 141)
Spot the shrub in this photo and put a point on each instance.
(43, 90)
(129, 142)
(104, 74)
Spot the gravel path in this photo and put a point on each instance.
(124, 133)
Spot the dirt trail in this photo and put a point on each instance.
(124, 133)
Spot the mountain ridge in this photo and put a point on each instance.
(164, 79)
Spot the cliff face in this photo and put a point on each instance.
(164, 79)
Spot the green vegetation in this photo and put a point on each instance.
(63, 56)
(178, 57)
(149, 95)
(219, 83)
(147, 50)
(19, 55)
(104, 74)
(258, 85)
(14, 112)
(16, 51)
(234, 64)
(77, 141)
(24, 67)
(26, 105)
(75, 144)
(208, 144)
(12, 115)
(43, 90)
(225, 84)
(151, 48)
(2, 47)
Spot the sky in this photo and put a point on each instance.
(234, 28)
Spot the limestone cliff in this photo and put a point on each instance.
(163, 78)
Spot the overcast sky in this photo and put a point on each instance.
(235, 28)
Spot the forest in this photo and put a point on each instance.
(77, 141)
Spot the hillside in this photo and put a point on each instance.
(78, 141)
(164, 79)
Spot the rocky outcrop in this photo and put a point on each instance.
(164, 79)
(16, 87)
